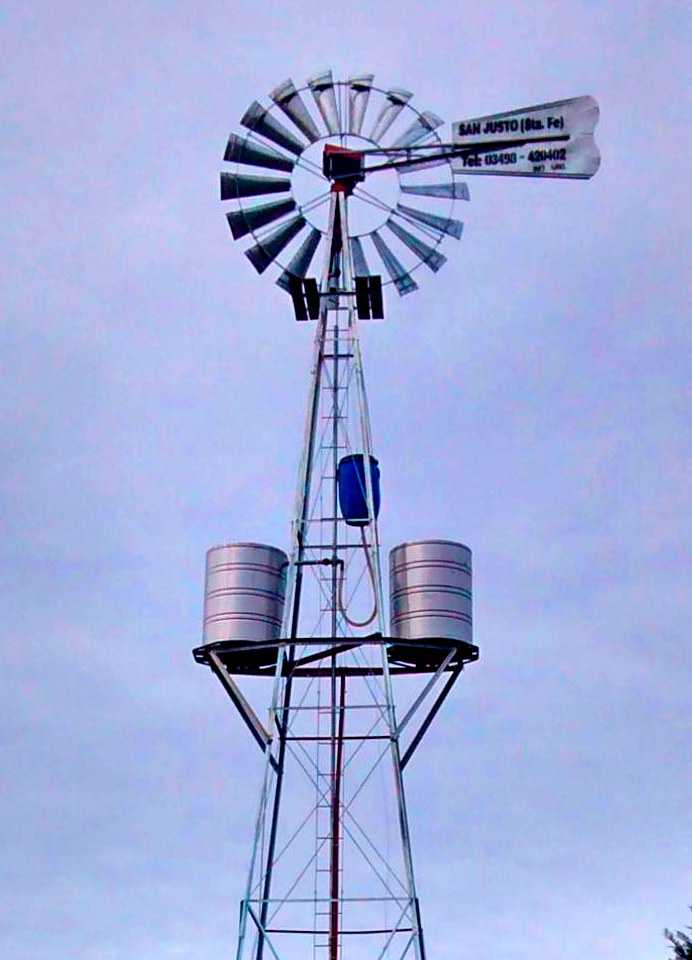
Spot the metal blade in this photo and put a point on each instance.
(322, 86)
(242, 222)
(428, 254)
(450, 191)
(420, 128)
(301, 260)
(267, 250)
(240, 150)
(403, 281)
(358, 96)
(360, 264)
(443, 224)
(396, 99)
(236, 185)
(289, 100)
(259, 120)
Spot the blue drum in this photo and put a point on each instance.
(353, 498)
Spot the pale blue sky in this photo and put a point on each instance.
(531, 400)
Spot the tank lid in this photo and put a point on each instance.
(243, 543)
(421, 543)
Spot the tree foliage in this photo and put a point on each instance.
(681, 943)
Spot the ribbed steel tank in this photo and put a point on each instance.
(430, 590)
(245, 587)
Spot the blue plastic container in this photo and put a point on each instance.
(353, 498)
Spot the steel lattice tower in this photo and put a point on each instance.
(331, 869)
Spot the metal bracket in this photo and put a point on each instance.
(306, 297)
(253, 723)
(429, 719)
(369, 298)
(428, 687)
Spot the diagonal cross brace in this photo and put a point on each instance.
(262, 931)
(428, 687)
(330, 652)
(430, 717)
(244, 709)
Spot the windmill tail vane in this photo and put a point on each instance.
(353, 684)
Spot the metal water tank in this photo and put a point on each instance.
(245, 586)
(430, 590)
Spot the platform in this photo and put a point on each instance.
(258, 658)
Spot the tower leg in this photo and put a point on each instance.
(335, 828)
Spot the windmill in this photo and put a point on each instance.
(363, 179)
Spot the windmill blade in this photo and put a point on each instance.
(259, 120)
(237, 185)
(427, 254)
(322, 86)
(358, 96)
(267, 250)
(396, 100)
(442, 224)
(240, 150)
(243, 222)
(403, 281)
(289, 100)
(360, 264)
(300, 263)
(420, 128)
(449, 191)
